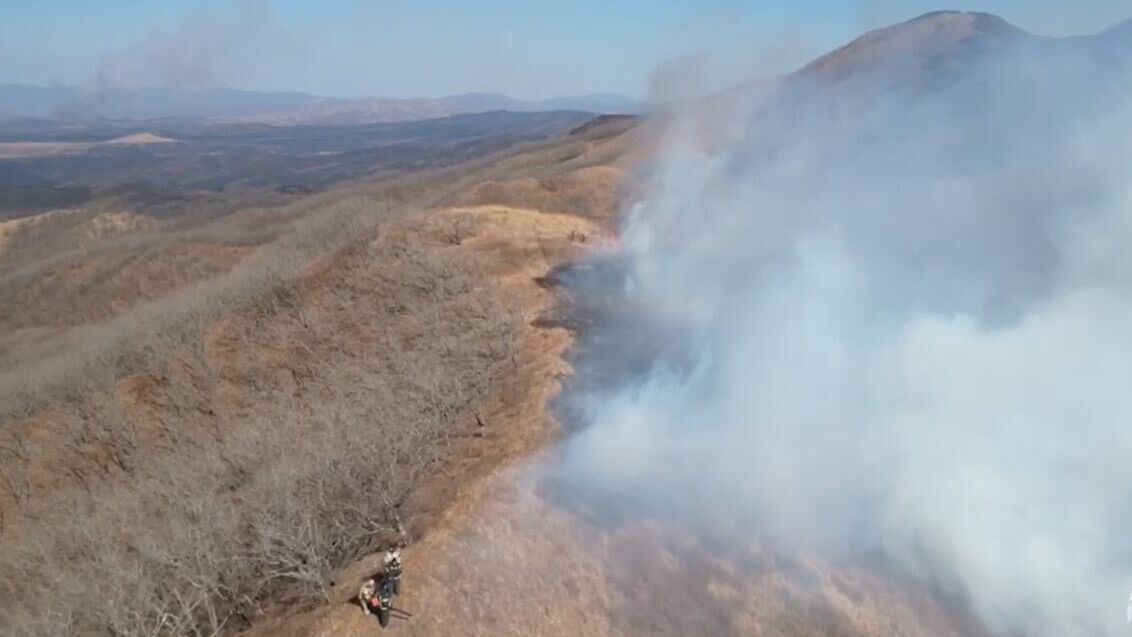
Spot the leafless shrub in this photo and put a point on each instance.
(93, 356)
(193, 535)
(456, 228)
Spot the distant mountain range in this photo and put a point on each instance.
(73, 102)
(928, 49)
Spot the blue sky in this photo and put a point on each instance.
(407, 48)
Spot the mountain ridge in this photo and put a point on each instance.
(274, 107)
(948, 41)
(923, 42)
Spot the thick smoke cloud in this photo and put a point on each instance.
(907, 315)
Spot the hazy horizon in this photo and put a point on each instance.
(345, 48)
(51, 85)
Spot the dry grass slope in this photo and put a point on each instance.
(187, 442)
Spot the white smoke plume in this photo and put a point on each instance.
(907, 314)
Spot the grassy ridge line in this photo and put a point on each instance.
(90, 357)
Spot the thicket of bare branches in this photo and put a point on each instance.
(228, 447)
(187, 516)
(92, 356)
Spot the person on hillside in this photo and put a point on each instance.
(389, 576)
(367, 593)
(391, 568)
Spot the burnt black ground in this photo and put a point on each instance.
(618, 340)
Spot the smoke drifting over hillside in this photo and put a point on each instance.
(908, 315)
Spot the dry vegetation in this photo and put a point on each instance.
(554, 572)
(208, 421)
(582, 178)
(588, 192)
(36, 149)
(523, 563)
(202, 421)
(520, 555)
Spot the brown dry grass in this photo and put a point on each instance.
(517, 246)
(220, 452)
(249, 466)
(201, 421)
(507, 557)
(589, 192)
(520, 563)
